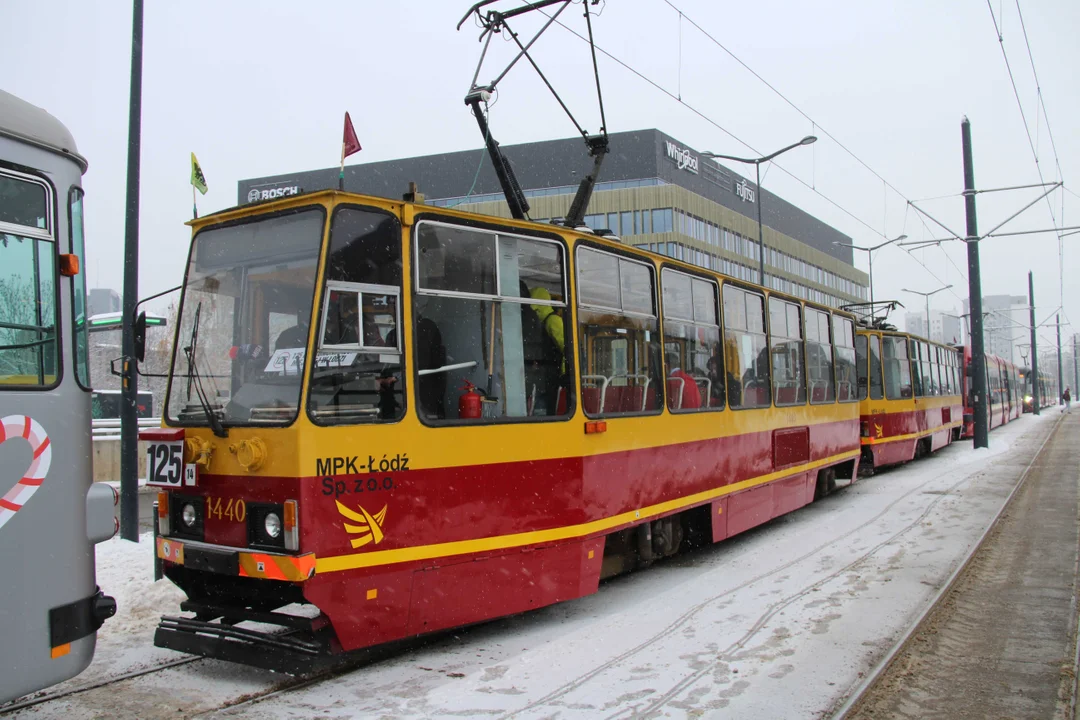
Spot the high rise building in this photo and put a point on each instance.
(944, 327)
(1006, 324)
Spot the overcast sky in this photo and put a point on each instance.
(260, 88)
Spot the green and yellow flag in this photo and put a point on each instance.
(198, 180)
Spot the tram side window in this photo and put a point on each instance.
(877, 391)
(746, 348)
(489, 314)
(80, 321)
(819, 357)
(916, 369)
(943, 371)
(620, 352)
(927, 364)
(844, 359)
(862, 360)
(28, 312)
(691, 343)
(357, 374)
(786, 349)
(897, 368)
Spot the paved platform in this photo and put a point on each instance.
(1002, 644)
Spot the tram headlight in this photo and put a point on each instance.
(188, 515)
(272, 525)
(1027, 398)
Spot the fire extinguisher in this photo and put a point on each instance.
(470, 403)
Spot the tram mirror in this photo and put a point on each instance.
(139, 337)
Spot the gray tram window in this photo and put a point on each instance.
(746, 349)
(456, 259)
(819, 357)
(786, 351)
(28, 313)
(862, 360)
(24, 203)
(844, 359)
(897, 367)
(504, 331)
(80, 321)
(877, 392)
(619, 335)
(692, 354)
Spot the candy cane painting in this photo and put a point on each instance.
(25, 427)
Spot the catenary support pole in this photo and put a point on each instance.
(1061, 376)
(1035, 400)
(978, 358)
(760, 230)
(1076, 366)
(129, 422)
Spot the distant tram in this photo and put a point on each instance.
(51, 514)
(412, 418)
(1044, 392)
(910, 396)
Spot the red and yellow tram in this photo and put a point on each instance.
(411, 418)
(909, 393)
(1004, 392)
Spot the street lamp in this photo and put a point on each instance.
(870, 259)
(927, 296)
(808, 140)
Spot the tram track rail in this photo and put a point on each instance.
(45, 697)
(869, 682)
(650, 709)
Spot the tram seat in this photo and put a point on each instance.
(843, 391)
(675, 392)
(590, 400)
(818, 393)
(787, 395)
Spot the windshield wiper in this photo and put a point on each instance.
(193, 375)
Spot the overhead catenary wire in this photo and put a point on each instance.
(721, 128)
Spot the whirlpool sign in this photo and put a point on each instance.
(684, 159)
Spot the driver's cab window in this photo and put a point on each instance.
(356, 376)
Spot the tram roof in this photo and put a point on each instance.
(29, 123)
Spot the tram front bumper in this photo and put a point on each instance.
(230, 561)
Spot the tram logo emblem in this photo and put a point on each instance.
(368, 526)
(879, 430)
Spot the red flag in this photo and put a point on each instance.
(349, 143)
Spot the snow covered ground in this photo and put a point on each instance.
(781, 621)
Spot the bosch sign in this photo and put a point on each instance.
(257, 195)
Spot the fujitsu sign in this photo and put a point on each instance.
(683, 158)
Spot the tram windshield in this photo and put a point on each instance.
(244, 321)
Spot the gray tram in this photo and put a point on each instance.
(51, 513)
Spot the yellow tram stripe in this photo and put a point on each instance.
(502, 542)
(909, 436)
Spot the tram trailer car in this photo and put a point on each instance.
(51, 513)
(909, 397)
(1003, 392)
(410, 419)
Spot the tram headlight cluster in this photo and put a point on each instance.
(188, 515)
(273, 526)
